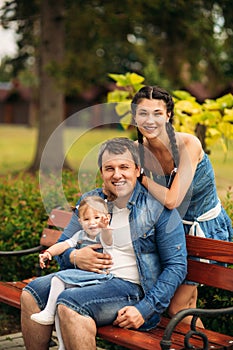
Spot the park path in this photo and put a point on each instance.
(15, 342)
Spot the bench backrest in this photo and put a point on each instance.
(202, 248)
(208, 273)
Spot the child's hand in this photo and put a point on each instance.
(104, 221)
(43, 258)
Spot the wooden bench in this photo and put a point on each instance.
(170, 334)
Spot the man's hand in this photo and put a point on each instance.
(129, 317)
(88, 259)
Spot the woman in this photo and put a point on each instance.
(179, 174)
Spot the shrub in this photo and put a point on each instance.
(23, 217)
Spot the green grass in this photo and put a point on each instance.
(223, 166)
(18, 143)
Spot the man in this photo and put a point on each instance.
(149, 257)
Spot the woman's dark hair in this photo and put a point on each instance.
(157, 93)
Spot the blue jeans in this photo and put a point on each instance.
(101, 302)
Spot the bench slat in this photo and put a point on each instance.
(59, 218)
(211, 249)
(210, 274)
(10, 293)
(136, 340)
(49, 237)
(132, 339)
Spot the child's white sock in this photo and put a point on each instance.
(58, 331)
(46, 316)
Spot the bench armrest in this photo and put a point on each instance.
(196, 313)
(21, 252)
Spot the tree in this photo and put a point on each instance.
(51, 96)
(172, 42)
(42, 27)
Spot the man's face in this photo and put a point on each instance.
(119, 174)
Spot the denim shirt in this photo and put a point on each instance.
(159, 243)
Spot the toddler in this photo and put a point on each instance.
(94, 218)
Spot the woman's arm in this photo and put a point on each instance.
(190, 150)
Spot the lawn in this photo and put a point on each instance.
(18, 143)
(17, 147)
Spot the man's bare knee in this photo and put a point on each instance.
(65, 313)
(36, 336)
(28, 303)
(76, 329)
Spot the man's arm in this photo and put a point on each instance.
(171, 245)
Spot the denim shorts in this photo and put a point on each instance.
(101, 302)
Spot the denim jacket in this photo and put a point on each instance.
(159, 243)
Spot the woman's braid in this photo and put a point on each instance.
(141, 148)
(172, 138)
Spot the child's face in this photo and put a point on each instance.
(89, 218)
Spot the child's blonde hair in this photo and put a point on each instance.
(96, 202)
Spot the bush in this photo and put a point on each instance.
(23, 217)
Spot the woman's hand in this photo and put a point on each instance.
(88, 259)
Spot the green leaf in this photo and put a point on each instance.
(226, 129)
(136, 79)
(119, 78)
(228, 115)
(214, 133)
(211, 105)
(126, 121)
(117, 96)
(183, 95)
(225, 101)
(188, 107)
(123, 108)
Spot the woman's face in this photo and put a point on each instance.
(151, 117)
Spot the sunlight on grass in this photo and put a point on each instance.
(18, 143)
(223, 167)
(17, 147)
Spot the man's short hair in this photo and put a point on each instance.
(119, 145)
